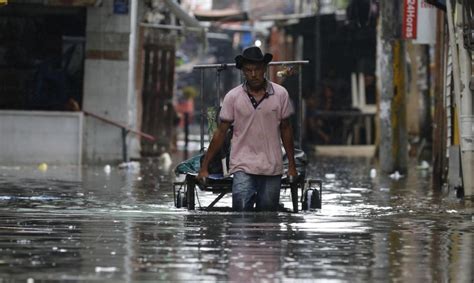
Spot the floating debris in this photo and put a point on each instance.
(424, 165)
(43, 167)
(164, 161)
(132, 165)
(373, 173)
(396, 175)
(107, 169)
(105, 269)
(330, 176)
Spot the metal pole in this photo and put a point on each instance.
(124, 145)
(300, 106)
(218, 83)
(225, 65)
(132, 56)
(186, 134)
(202, 109)
(427, 126)
(317, 45)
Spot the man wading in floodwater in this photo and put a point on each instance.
(259, 111)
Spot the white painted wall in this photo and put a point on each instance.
(106, 85)
(33, 137)
(105, 94)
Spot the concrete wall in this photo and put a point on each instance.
(106, 85)
(33, 137)
(413, 95)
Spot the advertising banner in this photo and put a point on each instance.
(426, 23)
(419, 21)
(409, 25)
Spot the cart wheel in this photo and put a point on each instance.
(311, 199)
(181, 200)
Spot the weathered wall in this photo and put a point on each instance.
(33, 137)
(106, 84)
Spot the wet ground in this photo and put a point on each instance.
(84, 224)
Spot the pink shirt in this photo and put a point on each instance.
(256, 142)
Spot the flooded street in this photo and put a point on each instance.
(84, 224)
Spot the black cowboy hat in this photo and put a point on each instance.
(252, 54)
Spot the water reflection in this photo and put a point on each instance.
(122, 226)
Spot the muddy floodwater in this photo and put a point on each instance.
(91, 224)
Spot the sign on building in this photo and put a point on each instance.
(410, 15)
(426, 23)
(419, 21)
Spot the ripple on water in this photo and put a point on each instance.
(123, 226)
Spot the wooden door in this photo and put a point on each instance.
(157, 91)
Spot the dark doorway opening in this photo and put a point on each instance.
(41, 57)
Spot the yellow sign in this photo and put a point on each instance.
(3, 2)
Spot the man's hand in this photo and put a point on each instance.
(292, 171)
(215, 145)
(202, 175)
(287, 139)
(292, 174)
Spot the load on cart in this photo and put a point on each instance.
(219, 181)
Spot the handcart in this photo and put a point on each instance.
(185, 191)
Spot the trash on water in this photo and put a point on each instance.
(330, 176)
(396, 175)
(164, 161)
(423, 165)
(10, 167)
(43, 167)
(132, 165)
(105, 269)
(359, 189)
(107, 169)
(373, 173)
(384, 189)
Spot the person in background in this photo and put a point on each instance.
(259, 111)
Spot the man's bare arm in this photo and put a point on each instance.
(288, 143)
(214, 147)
